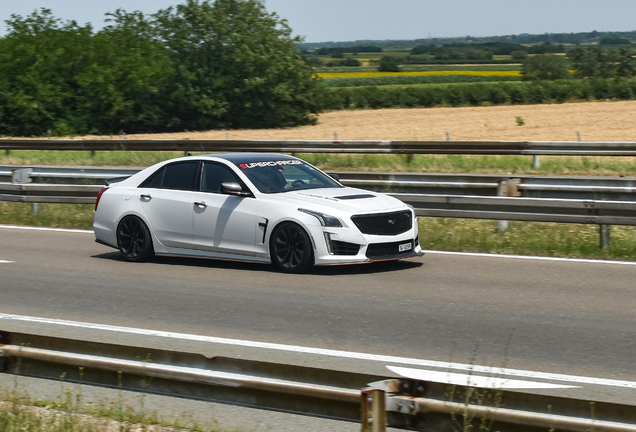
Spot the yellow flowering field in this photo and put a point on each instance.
(328, 75)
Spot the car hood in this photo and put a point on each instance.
(346, 199)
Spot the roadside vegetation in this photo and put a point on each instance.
(69, 413)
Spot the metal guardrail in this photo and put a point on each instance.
(607, 201)
(375, 401)
(531, 186)
(523, 209)
(562, 148)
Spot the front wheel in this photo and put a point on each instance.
(133, 239)
(290, 248)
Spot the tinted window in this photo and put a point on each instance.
(155, 180)
(180, 175)
(213, 175)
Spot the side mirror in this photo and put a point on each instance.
(336, 177)
(233, 189)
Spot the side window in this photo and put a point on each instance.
(215, 174)
(155, 180)
(180, 175)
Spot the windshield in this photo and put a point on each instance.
(285, 175)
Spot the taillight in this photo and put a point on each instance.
(99, 196)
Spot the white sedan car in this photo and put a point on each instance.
(256, 207)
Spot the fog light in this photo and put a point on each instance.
(328, 241)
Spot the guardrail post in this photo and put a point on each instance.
(604, 234)
(506, 188)
(377, 419)
(535, 162)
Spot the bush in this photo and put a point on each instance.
(389, 64)
(427, 96)
(518, 55)
(545, 67)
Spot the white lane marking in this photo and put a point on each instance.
(473, 380)
(5, 262)
(474, 254)
(525, 257)
(329, 352)
(20, 227)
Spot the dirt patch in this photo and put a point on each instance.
(595, 121)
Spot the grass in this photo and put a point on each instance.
(78, 216)
(479, 164)
(84, 158)
(526, 238)
(20, 413)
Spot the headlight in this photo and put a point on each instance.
(325, 219)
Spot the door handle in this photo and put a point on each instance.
(200, 204)
(146, 196)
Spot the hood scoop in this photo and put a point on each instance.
(352, 197)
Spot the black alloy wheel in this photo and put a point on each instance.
(290, 248)
(133, 239)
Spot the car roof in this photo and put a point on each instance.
(238, 158)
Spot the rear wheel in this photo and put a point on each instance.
(133, 239)
(290, 248)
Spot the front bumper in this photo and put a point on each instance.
(342, 246)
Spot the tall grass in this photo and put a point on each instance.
(79, 216)
(526, 238)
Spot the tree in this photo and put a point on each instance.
(593, 62)
(40, 59)
(519, 55)
(545, 67)
(130, 77)
(389, 64)
(236, 66)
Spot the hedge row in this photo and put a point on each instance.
(414, 79)
(475, 94)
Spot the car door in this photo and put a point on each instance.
(223, 223)
(166, 199)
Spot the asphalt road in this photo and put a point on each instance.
(550, 316)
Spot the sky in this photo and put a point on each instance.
(350, 20)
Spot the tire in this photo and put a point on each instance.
(290, 248)
(133, 240)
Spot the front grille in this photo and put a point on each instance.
(384, 223)
(344, 248)
(388, 250)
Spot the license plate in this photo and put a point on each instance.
(405, 247)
